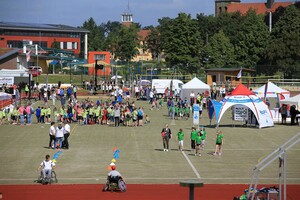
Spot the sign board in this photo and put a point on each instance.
(7, 80)
(240, 113)
(196, 114)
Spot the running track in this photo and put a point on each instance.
(134, 191)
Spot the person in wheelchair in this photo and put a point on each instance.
(46, 167)
(113, 176)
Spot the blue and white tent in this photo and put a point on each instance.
(242, 96)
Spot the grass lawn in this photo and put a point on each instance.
(22, 148)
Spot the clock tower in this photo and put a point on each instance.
(221, 5)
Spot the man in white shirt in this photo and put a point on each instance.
(51, 135)
(46, 166)
(192, 98)
(67, 130)
(59, 135)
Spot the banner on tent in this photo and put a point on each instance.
(7, 80)
(240, 113)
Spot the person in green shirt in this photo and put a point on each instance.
(203, 136)
(1, 116)
(55, 113)
(198, 144)
(43, 114)
(160, 103)
(193, 138)
(180, 111)
(62, 114)
(26, 90)
(15, 115)
(219, 143)
(48, 114)
(176, 112)
(134, 117)
(84, 115)
(180, 138)
(187, 112)
(96, 115)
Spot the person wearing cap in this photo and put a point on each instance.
(113, 175)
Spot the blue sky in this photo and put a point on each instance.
(75, 12)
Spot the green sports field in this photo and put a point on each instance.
(141, 159)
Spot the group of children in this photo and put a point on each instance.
(89, 112)
(198, 138)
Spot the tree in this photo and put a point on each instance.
(252, 40)
(153, 43)
(127, 43)
(219, 52)
(55, 44)
(96, 35)
(283, 49)
(182, 43)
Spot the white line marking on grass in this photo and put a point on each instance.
(73, 129)
(192, 166)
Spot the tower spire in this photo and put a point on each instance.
(127, 16)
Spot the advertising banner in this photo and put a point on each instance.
(7, 80)
(196, 108)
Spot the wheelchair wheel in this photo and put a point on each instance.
(40, 178)
(53, 177)
(105, 188)
(122, 185)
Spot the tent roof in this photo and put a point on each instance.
(241, 90)
(195, 83)
(295, 100)
(271, 88)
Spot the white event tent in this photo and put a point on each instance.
(272, 91)
(295, 100)
(195, 85)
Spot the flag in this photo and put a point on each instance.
(239, 75)
(28, 56)
(266, 91)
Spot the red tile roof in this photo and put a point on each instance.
(143, 34)
(260, 8)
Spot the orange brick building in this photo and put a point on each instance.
(237, 6)
(13, 35)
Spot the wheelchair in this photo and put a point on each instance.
(47, 180)
(114, 184)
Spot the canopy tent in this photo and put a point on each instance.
(99, 62)
(5, 96)
(114, 77)
(195, 85)
(272, 91)
(295, 100)
(241, 95)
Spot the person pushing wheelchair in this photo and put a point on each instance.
(46, 167)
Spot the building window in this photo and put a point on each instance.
(14, 44)
(74, 45)
(42, 44)
(99, 57)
